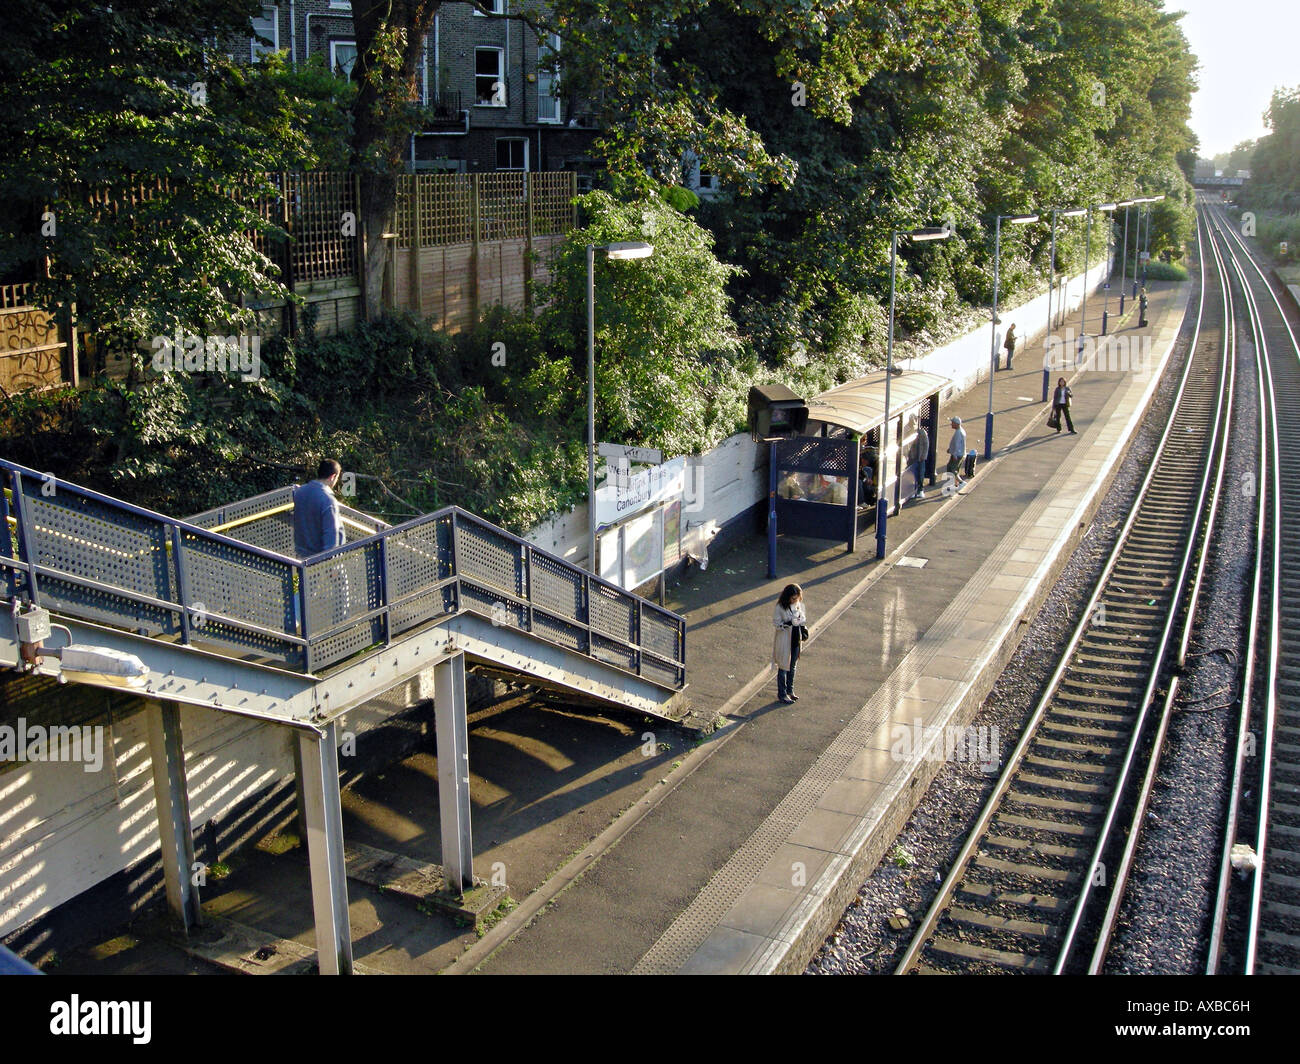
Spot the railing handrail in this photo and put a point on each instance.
(458, 516)
(153, 515)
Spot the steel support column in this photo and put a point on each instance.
(319, 758)
(172, 799)
(449, 710)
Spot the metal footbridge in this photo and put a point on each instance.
(223, 615)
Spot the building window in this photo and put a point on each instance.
(512, 153)
(548, 79)
(343, 58)
(266, 24)
(497, 7)
(489, 81)
(341, 5)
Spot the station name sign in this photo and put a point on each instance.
(624, 495)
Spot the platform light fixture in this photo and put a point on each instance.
(627, 249)
(1011, 219)
(917, 236)
(1123, 256)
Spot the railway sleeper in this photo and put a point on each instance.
(1282, 909)
(1281, 881)
(1008, 924)
(1114, 673)
(1082, 706)
(1038, 824)
(990, 892)
(1280, 939)
(1079, 748)
(1026, 871)
(1001, 958)
(1074, 786)
(1091, 733)
(1062, 805)
(1069, 766)
(1090, 684)
(1046, 849)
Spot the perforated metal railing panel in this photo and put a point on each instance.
(489, 556)
(226, 583)
(228, 579)
(98, 562)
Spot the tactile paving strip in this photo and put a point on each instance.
(689, 931)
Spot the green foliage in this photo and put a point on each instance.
(1274, 229)
(662, 323)
(1164, 271)
(98, 101)
(1274, 177)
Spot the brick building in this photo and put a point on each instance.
(493, 102)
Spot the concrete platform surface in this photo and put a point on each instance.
(746, 857)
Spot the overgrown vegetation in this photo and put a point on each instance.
(830, 126)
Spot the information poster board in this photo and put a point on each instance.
(635, 551)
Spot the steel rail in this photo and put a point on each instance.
(1136, 820)
(1159, 659)
(1275, 626)
(1218, 920)
(947, 890)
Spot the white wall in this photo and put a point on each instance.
(966, 359)
(733, 476)
(63, 829)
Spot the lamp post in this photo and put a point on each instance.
(939, 232)
(1014, 219)
(1087, 255)
(632, 249)
(1075, 212)
(1123, 256)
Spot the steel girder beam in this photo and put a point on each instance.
(516, 650)
(318, 756)
(172, 800)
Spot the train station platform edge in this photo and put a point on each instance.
(952, 600)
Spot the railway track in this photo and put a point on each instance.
(1025, 891)
(1265, 811)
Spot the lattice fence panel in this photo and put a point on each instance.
(503, 207)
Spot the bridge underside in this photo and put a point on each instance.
(222, 616)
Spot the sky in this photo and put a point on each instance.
(1246, 49)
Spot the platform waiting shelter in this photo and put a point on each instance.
(828, 480)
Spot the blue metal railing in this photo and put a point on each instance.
(218, 580)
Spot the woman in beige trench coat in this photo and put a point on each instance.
(786, 644)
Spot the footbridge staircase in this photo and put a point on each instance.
(223, 615)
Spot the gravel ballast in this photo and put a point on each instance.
(866, 941)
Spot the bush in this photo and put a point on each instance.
(1165, 271)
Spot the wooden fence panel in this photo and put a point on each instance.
(33, 350)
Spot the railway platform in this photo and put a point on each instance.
(743, 860)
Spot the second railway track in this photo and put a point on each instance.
(1017, 898)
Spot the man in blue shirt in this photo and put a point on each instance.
(956, 452)
(317, 524)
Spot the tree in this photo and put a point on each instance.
(1274, 178)
(130, 172)
(663, 332)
